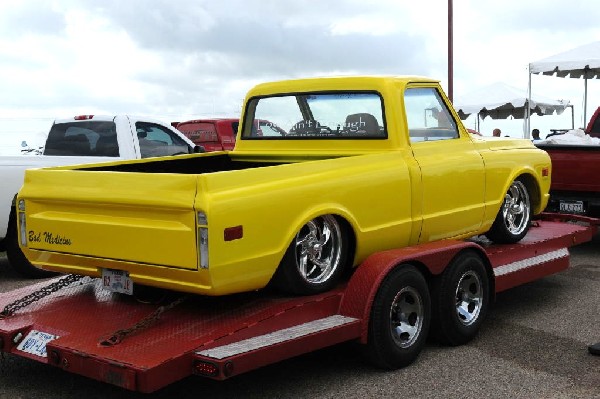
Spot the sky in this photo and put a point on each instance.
(177, 60)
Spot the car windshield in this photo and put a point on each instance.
(339, 115)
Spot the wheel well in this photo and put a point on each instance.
(352, 237)
(533, 189)
(486, 262)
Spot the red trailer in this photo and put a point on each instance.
(388, 304)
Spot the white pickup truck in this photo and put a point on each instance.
(82, 140)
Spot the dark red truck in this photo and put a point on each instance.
(575, 185)
(212, 134)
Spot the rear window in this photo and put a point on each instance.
(339, 115)
(90, 138)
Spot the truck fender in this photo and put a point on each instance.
(312, 213)
(528, 177)
(430, 258)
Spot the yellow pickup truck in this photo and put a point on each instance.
(325, 172)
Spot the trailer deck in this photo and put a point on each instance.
(113, 338)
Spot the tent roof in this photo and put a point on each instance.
(500, 101)
(572, 63)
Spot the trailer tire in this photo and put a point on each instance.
(399, 319)
(514, 217)
(15, 256)
(315, 260)
(460, 299)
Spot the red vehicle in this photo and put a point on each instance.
(212, 134)
(575, 184)
(387, 305)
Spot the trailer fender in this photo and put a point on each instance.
(430, 258)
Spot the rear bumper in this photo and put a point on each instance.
(590, 200)
(218, 280)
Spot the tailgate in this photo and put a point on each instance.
(137, 217)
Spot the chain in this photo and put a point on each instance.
(35, 296)
(152, 318)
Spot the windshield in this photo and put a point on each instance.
(340, 115)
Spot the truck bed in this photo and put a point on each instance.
(184, 165)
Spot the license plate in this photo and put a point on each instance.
(117, 281)
(35, 343)
(571, 206)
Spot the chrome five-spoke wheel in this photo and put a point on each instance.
(514, 217)
(517, 208)
(318, 249)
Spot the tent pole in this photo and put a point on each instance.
(528, 112)
(585, 100)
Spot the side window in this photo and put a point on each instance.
(427, 116)
(157, 141)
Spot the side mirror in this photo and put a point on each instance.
(198, 149)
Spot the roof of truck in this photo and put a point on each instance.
(335, 83)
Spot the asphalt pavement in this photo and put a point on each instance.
(532, 345)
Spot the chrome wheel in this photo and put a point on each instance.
(406, 317)
(516, 209)
(319, 247)
(469, 298)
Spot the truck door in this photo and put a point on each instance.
(452, 171)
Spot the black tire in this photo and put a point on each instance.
(400, 318)
(315, 259)
(15, 256)
(514, 217)
(460, 299)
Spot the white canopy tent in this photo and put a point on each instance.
(501, 101)
(583, 61)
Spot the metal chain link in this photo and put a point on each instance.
(119, 335)
(35, 296)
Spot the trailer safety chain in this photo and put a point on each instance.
(35, 296)
(152, 318)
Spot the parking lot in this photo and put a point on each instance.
(533, 344)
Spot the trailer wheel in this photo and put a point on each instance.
(460, 299)
(514, 217)
(315, 260)
(400, 317)
(15, 256)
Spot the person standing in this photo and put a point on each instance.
(496, 132)
(535, 134)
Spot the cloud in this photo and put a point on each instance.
(187, 58)
(24, 18)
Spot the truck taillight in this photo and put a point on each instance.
(83, 117)
(21, 222)
(203, 239)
